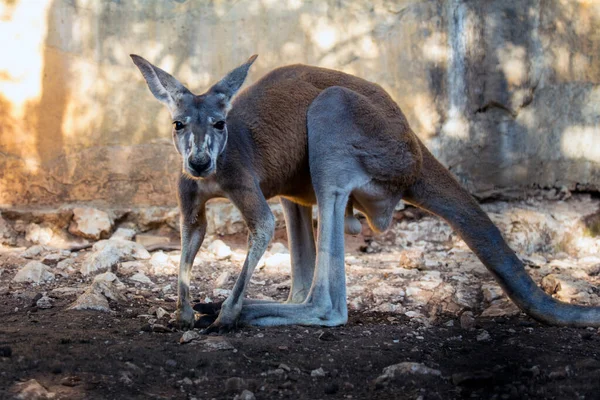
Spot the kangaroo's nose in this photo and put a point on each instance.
(199, 165)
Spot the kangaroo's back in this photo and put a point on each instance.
(273, 111)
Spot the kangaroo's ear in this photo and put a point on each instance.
(228, 86)
(162, 85)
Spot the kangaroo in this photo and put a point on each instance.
(317, 136)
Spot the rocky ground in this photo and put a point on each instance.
(89, 318)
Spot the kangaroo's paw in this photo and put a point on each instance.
(208, 308)
(185, 317)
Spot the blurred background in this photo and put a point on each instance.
(505, 93)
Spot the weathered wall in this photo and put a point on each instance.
(505, 93)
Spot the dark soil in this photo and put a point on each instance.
(90, 355)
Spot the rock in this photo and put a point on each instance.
(31, 390)
(53, 259)
(34, 272)
(44, 302)
(34, 251)
(279, 248)
(39, 234)
(8, 235)
(484, 336)
(215, 343)
(491, 292)
(123, 234)
(91, 300)
(162, 264)
(278, 264)
(223, 279)
(90, 223)
(551, 284)
(147, 240)
(467, 320)
(403, 369)
(245, 395)
(220, 250)
(501, 308)
(161, 312)
(317, 373)
(188, 336)
(140, 277)
(108, 253)
(105, 286)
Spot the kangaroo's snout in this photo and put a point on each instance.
(199, 166)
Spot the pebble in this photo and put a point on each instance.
(467, 320)
(140, 277)
(44, 302)
(188, 336)
(484, 336)
(34, 272)
(245, 395)
(317, 373)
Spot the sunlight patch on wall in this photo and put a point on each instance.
(513, 63)
(581, 142)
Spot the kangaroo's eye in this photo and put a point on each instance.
(220, 125)
(178, 125)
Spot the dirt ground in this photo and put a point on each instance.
(121, 355)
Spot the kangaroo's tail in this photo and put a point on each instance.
(437, 191)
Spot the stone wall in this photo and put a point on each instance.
(505, 93)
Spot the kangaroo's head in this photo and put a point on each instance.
(199, 122)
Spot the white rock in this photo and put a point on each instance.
(123, 234)
(34, 272)
(220, 250)
(278, 264)
(317, 373)
(31, 390)
(91, 300)
(141, 278)
(39, 234)
(162, 264)
(108, 253)
(397, 371)
(161, 312)
(484, 336)
(44, 302)
(34, 251)
(245, 395)
(279, 248)
(215, 343)
(90, 223)
(491, 292)
(188, 336)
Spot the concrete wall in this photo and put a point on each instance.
(505, 93)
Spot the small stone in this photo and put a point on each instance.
(44, 302)
(52, 259)
(501, 308)
(31, 390)
(34, 272)
(90, 223)
(171, 363)
(398, 371)
(467, 320)
(162, 264)
(215, 343)
(34, 251)
(91, 300)
(484, 336)
(140, 277)
(491, 292)
(148, 240)
(108, 253)
(188, 336)
(123, 234)
(161, 312)
(551, 284)
(317, 373)
(327, 336)
(245, 395)
(220, 250)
